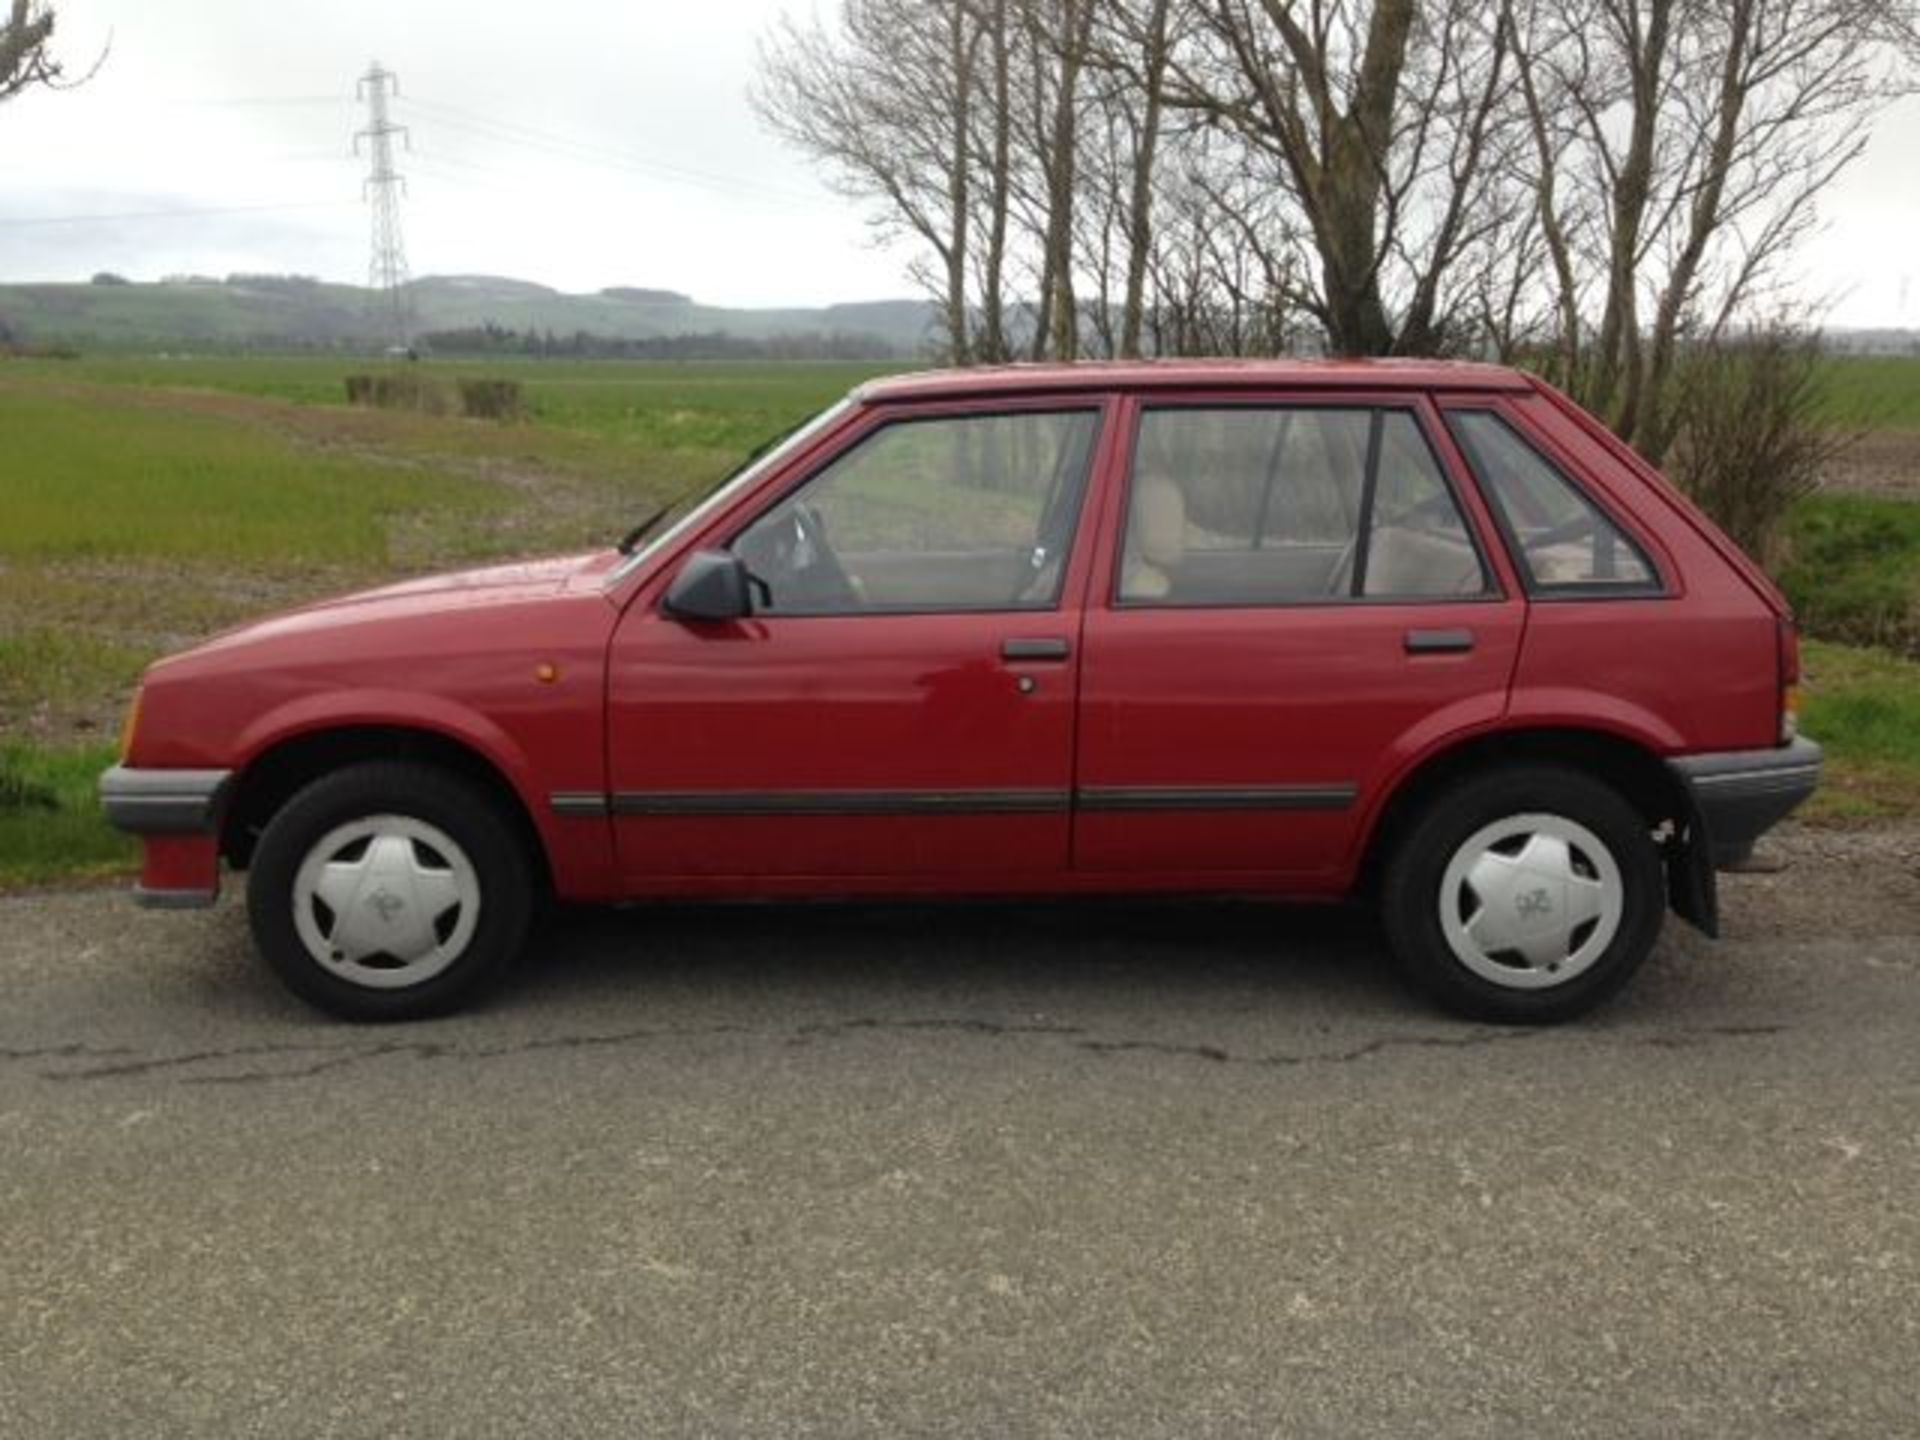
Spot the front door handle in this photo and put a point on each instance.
(1439, 642)
(1048, 648)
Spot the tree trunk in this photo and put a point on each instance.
(962, 43)
(993, 338)
(1618, 372)
(1064, 321)
(1140, 201)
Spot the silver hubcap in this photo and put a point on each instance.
(386, 902)
(1531, 901)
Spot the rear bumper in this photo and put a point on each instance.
(176, 814)
(1742, 794)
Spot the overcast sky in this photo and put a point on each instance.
(580, 143)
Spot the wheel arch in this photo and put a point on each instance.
(277, 772)
(1646, 781)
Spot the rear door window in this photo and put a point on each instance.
(1273, 505)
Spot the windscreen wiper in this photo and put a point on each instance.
(631, 540)
(633, 537)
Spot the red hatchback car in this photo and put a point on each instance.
(1424, 632)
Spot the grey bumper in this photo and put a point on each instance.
(1742, 794)
(163, 802)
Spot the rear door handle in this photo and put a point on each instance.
(1438, 642)
(1050, 648)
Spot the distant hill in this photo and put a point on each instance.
(288, 311)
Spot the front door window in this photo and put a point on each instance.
(952, 513)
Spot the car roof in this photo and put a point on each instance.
(1154, 375)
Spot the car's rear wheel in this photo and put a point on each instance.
(389, 891)
(1525, 894)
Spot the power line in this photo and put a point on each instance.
(180, 214)
(588, 152)
(236, 101)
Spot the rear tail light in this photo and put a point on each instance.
(1789, 681)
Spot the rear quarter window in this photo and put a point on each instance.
(1561, 539)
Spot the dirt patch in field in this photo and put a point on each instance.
(1884, 463)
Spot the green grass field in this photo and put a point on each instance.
(146, 502)
(720, 402)
(1874, 392)
(699, 405)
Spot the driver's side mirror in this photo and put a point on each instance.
(712, 585)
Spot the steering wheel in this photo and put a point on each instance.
(797, 564)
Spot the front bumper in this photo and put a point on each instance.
(1742, 794)
(176, 814)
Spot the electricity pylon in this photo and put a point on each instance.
(387, 271)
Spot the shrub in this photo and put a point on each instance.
(402, 390)
(491, 399)
(410, 390)
(1751, 441)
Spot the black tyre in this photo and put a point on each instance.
(1527, 894)
(389, 891)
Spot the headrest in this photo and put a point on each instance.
(1158, 524)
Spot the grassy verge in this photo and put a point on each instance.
(1854, 575)
(1864, 707)
(50, 824)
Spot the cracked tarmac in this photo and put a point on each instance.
(1153, 1169)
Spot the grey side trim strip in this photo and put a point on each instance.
(589, 804)
(1216, 797)
(163, 802)
(839, 802)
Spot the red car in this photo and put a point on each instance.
(1423, 632)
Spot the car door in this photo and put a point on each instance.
(901, 702)
(1299, 597)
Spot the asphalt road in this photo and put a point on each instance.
(1133, 1170)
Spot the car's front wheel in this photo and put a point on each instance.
(1526, 894)
(389, 891)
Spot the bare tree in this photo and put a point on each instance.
(1223, 272)
(886, 100)
(1059, 32)
(1379, 119)
(1680, 148)
(1133, 44)
(26, 48)
(993, 155)
(1590, 185)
